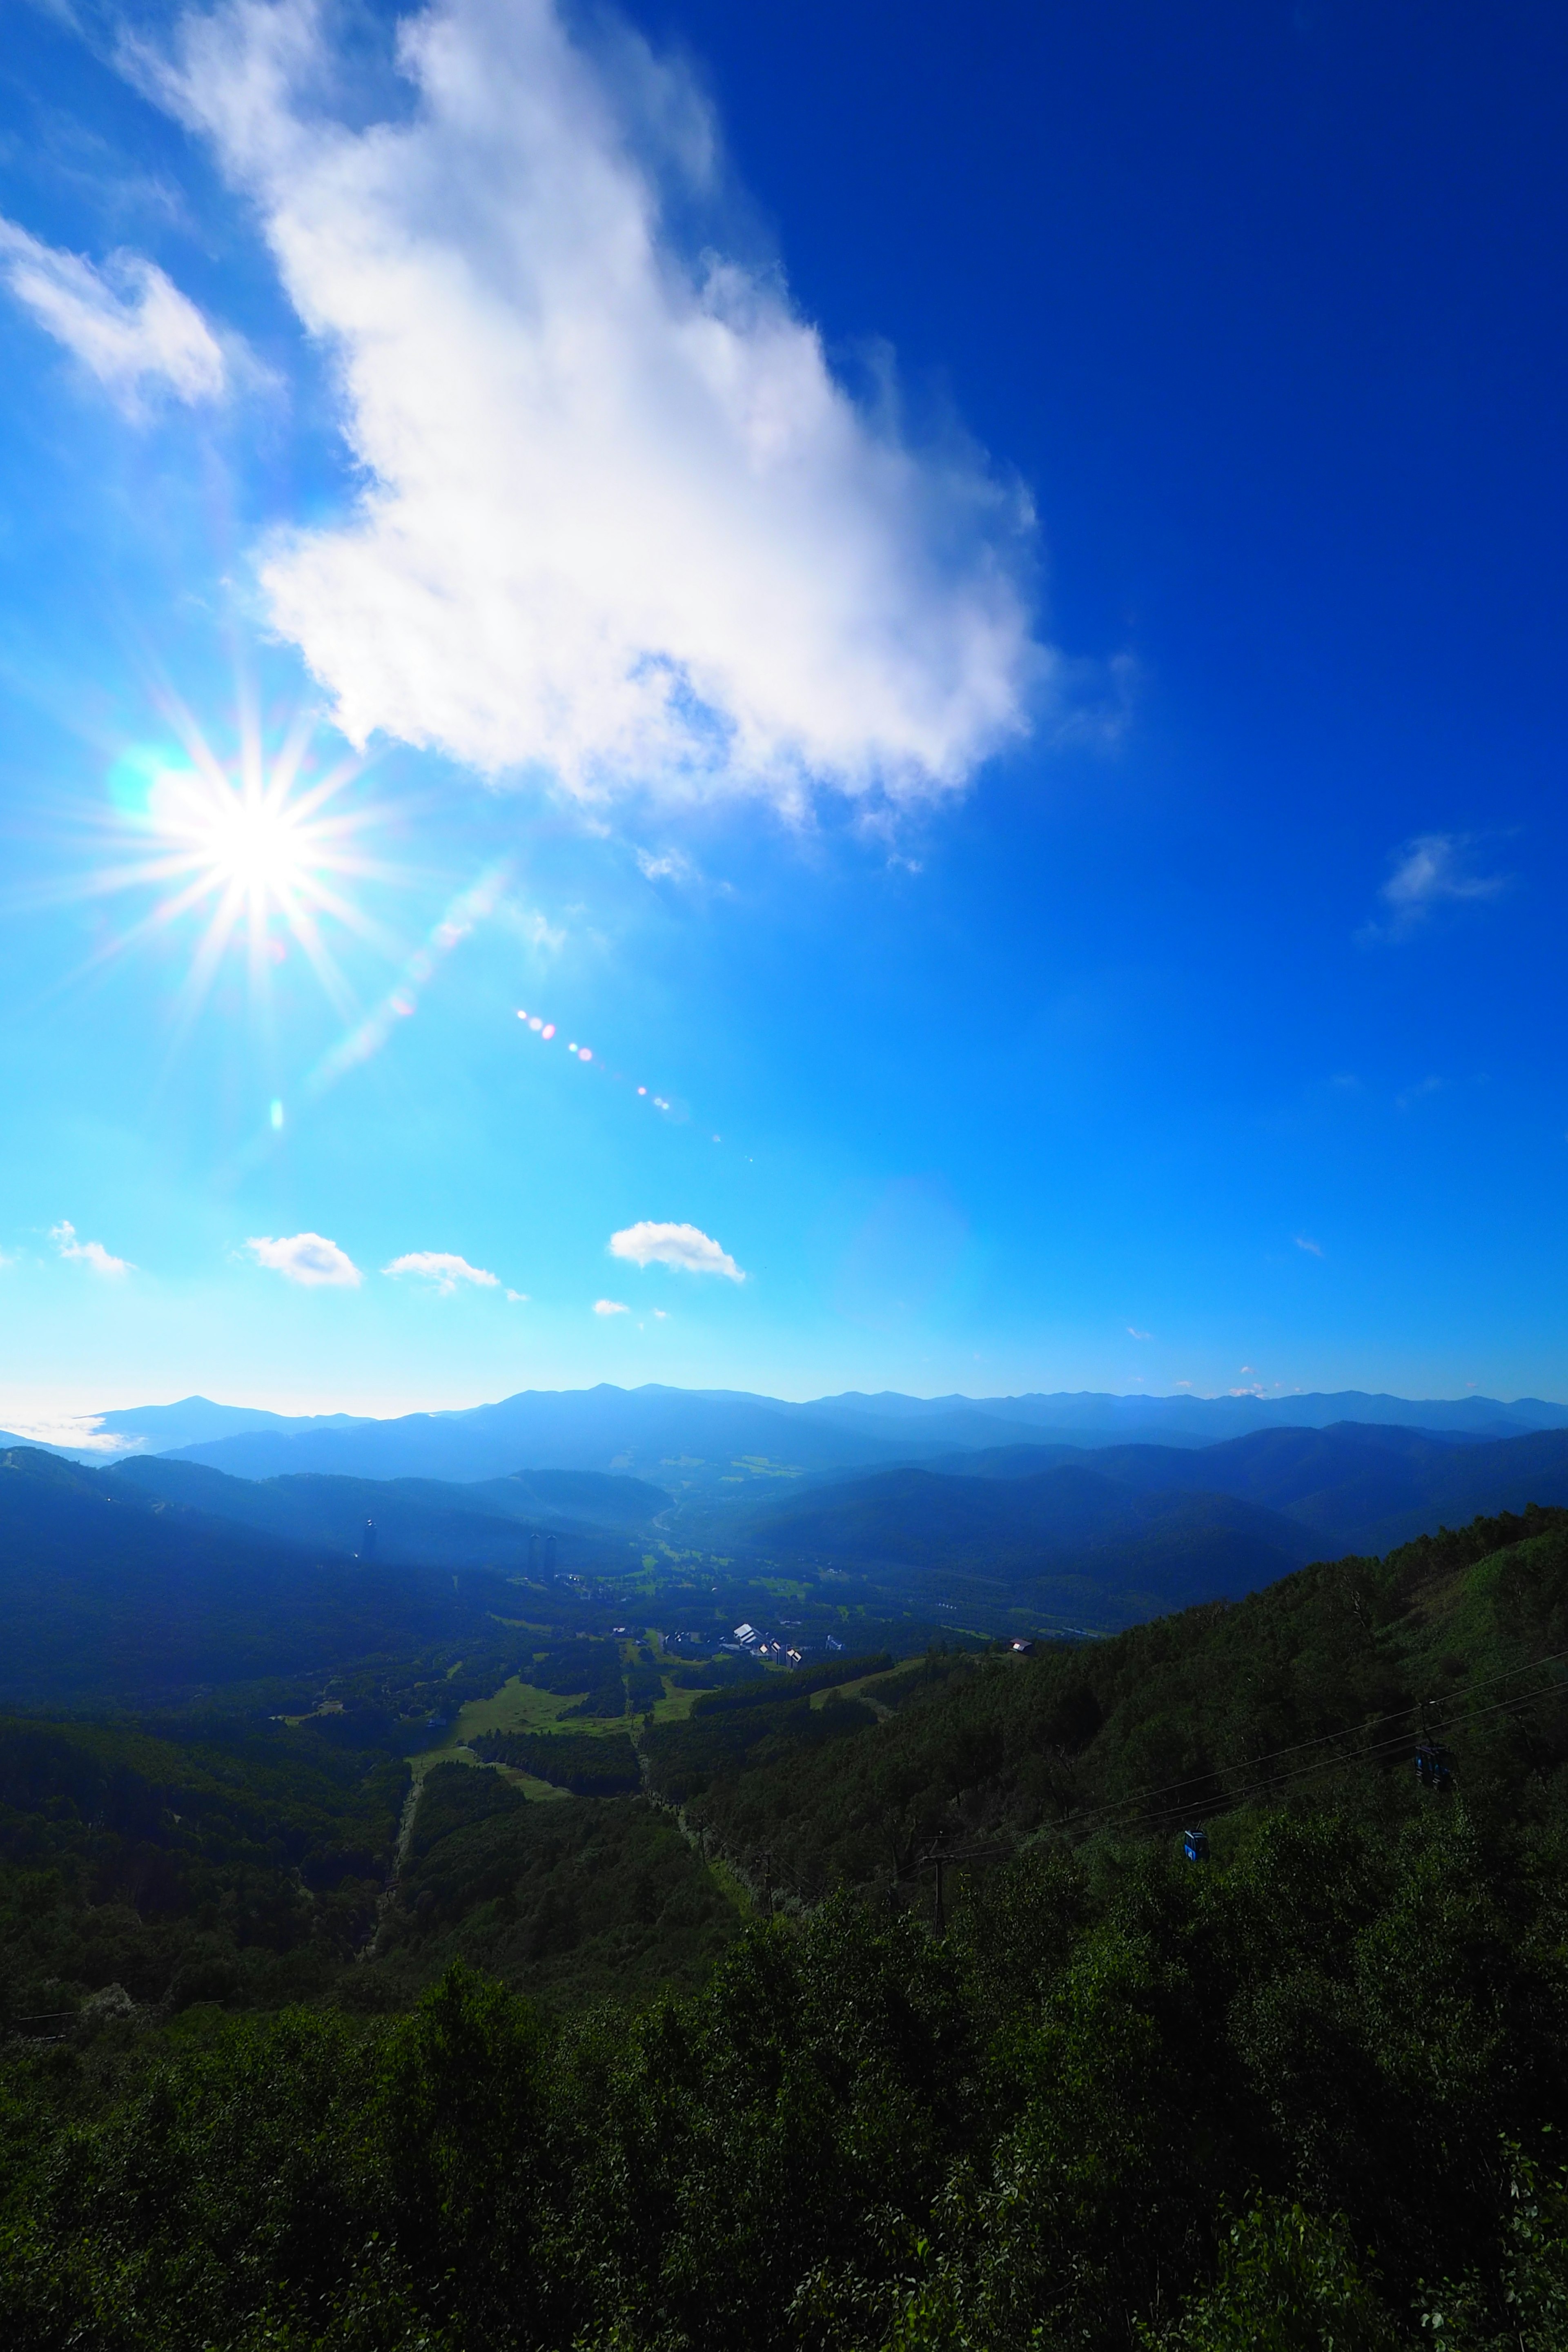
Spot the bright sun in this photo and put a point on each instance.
(257, 847)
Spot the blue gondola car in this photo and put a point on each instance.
(1196, 1845)
(1435, 1768)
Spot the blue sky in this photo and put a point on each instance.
(974, 604)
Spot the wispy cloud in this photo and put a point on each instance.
(1303, 1244)
(611, 1306)
(1430, 871)
(1418, 1092)
(88, 1254)
(1133, 1333)
(442, 1271)
(308, 1259)
(669, 865)
(683, 1246)
(619, 517)
(533, 925)
(127, 323)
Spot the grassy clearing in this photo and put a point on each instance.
(731, 1888)
(516, 1706)
(848, 1690)
(675, 1705)
(538, 1792)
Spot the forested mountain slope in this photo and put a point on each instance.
(1302, 2095)
(1174, 1719)
(1068, 1541)
(417, 1521)
(1356, 1487)
(104, 1593)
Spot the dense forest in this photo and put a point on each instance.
(890, 2013)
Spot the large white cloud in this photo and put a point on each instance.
(127, 324)
(619, 517)
(687, 1247)
(309, 1259)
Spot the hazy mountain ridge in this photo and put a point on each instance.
(682, 1437)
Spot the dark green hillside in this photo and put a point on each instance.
(1187, 1714)
(214, 1863)
(581, 1900)
(103, 1593)
(1306, 2095)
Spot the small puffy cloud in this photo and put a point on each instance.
(88, 1254)
(309, 1259)
(610, 1307)
(619, 520)
(1133, 1333)
(127, 323)
(1303, 1244)
(442, 1271)
(1432, 870)
(683, 1246)
(517, 1298)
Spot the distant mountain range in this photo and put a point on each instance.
(167, 1570)
(696, 1442)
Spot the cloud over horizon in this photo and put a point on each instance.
(309, 1259)
(685, 1247)
(619, 521)
(127, 324)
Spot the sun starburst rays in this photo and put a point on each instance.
(258, 852)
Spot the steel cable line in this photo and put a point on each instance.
(1368, 1754)
(1373, 1752)
(1324, 1739)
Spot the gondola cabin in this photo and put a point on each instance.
(1196, 1845)
(1435, 1768)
